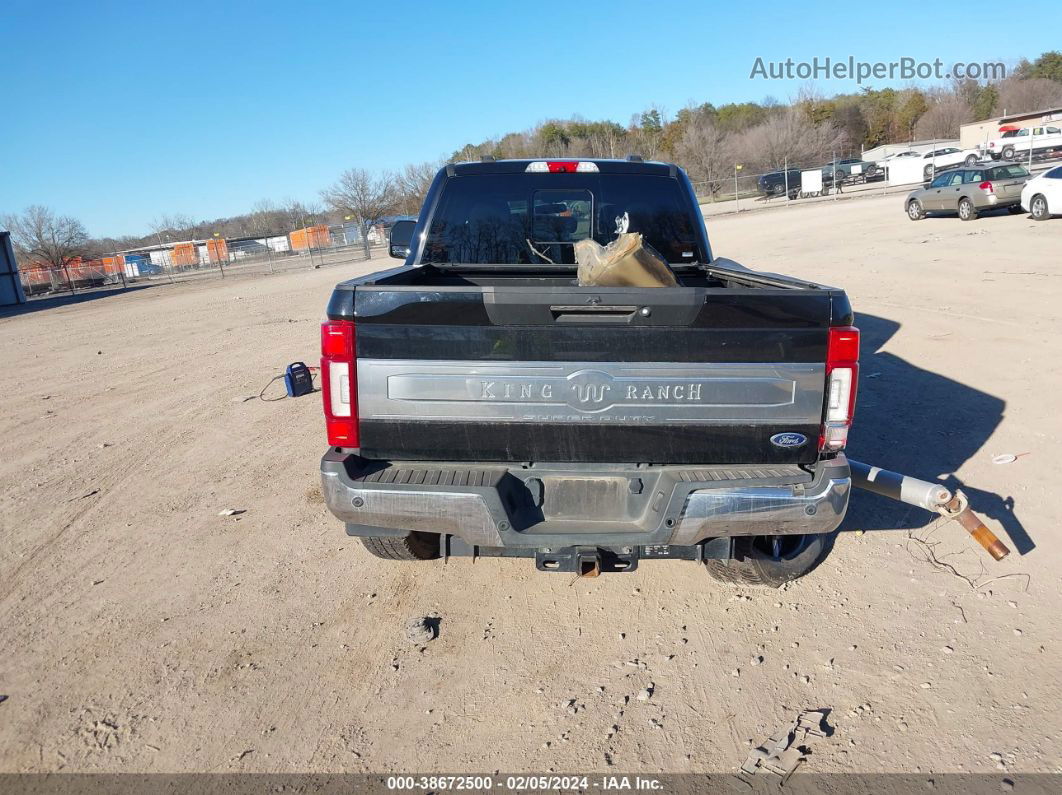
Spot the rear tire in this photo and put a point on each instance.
(1038, 207)
(1008, 153)
(967, 211)
(927, 172)
(771, 561)
(415, 546)
(971, 160)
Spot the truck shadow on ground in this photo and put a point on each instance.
(921, 424)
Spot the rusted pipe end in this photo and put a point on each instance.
(959, 510)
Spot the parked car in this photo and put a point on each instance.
(776, 183)
(946, 157)
(841, 170)
(478, 401)
(969, 190)
(1042, 195)
(896, 156)
(1015, 144)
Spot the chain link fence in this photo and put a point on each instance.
(213, 259)
(737, 188)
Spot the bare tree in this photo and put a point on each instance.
(947, 111)
(412, 185)
(315, 213)
(788, 137)
(706, 152)
(1021, 96)
(41, 236)
(263, 216)
(299, 215)
(365, 196)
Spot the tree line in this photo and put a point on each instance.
(705, 139)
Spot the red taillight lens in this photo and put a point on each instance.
(842, 346)
(842, 380)
(339, 386)
(562, 166)
(987, 187)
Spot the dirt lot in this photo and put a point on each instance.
(142, 631)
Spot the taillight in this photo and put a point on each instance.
(987, 187)
(561, 166)
(842, 379)
(339, 385)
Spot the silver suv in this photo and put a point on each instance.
(968, 191)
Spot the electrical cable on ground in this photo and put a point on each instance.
(274, 379)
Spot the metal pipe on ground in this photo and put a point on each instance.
(931, 497)
(920, 493)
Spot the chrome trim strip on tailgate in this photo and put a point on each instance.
(579, 391)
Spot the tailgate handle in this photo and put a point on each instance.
(592, 313)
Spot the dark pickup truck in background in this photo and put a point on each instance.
(479, 401)
(778, 183)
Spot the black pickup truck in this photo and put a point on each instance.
(778, 183)
(478, 401)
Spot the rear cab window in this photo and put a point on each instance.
(532, 218)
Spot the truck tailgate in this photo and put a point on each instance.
(613, 375)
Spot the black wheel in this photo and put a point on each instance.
(967, 211)
(1038, 206)
(771, 561)
(927, 172)
(915, 211)
(971, 160)
(1008, 153)
(415, 546)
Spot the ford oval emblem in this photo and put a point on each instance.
(789, 440)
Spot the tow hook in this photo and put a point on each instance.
(931, 497)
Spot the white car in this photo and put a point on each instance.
(1042, 195)
(948, 156)
(1015, 144)
(897, 155)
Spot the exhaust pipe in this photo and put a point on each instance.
(931, 497)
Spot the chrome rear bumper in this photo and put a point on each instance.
(557, 505)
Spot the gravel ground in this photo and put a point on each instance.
(143, 631)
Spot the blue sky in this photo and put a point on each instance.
(119, 112)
